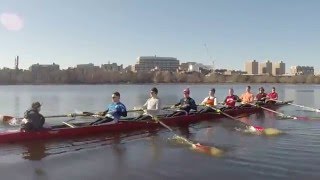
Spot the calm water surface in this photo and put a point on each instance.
(151, 155)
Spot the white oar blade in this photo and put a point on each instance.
(14, 122)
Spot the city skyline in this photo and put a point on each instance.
(259, 65)
(73, 32)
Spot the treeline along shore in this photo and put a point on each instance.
(73, 76)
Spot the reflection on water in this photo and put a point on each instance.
(34, 150)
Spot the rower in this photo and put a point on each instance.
(261, 96)
(113, 113)
(210, 101)
(33, 120)
(231, 99)
(247, 98)
(185, 104)
(152, 106)
(272, 97)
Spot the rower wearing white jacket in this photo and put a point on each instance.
(152, 106)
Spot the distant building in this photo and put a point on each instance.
(128, 68)
(185, 66)
(147, 63)
(234, 72)
(195, 67)
(302, 70)
(265, 68)
(251, 67)
(112, 67)
(220, 71)
(279, 68)
(44, 67)
(86, 66)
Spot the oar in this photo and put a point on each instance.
(276, 112)
(281, 114)
(252, 129)
(197, 147)
(9, 119)
(97, 115)
(301, 106)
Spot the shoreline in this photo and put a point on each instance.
(200, 83)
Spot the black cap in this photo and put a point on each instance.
(213, 90)
(261, 88)
(35, 105)
(116, 94)
(155, 90)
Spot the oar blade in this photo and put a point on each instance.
(6, 119)
(272, 132)
(213, 151)
(14, 122)
(251, 130)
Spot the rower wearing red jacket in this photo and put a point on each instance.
(273, 96)
(231, 99)
(261, 96)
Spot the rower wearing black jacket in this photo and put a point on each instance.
(33, 120)
(186, 103)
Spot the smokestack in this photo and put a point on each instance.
(17, 63)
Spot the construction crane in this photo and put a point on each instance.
(209, 56)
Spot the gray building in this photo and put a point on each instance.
(148, 63)
(44, 67)
(265, 68)
(278, 68)
(302, 70)
(112, 67)
(251, 67)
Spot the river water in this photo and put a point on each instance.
(152, 155)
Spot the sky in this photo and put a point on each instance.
(228, 32)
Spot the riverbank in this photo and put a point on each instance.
(71, 76)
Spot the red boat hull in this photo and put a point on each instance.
(122, 126)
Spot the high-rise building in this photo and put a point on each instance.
(278, 68)
(302, 70)
(147, 63)
(251, 67)
(265, 68)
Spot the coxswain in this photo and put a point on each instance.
(209, 102)
(231, 99)
(273, 96)
(152, 106)
(185, 104)
(114, 111)
(33, 120)
(261, 96)
(247, 98)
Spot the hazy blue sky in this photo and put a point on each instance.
(71, 32)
